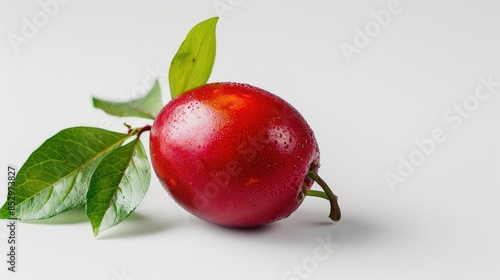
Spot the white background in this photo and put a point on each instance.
(367, 109)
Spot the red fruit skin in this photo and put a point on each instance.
(233, 154)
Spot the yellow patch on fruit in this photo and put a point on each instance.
(227, 103)
(251, 181)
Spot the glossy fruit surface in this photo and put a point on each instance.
(233, 154)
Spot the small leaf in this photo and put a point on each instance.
(117, 186)
(145, 107)
(56, 176)
(193, 62)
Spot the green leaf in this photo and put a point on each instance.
(4, 214)
(56, 176)
(193, 62)
(145, 107)
(117, 186)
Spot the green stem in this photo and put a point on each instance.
(327, 194)
(317, 194)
